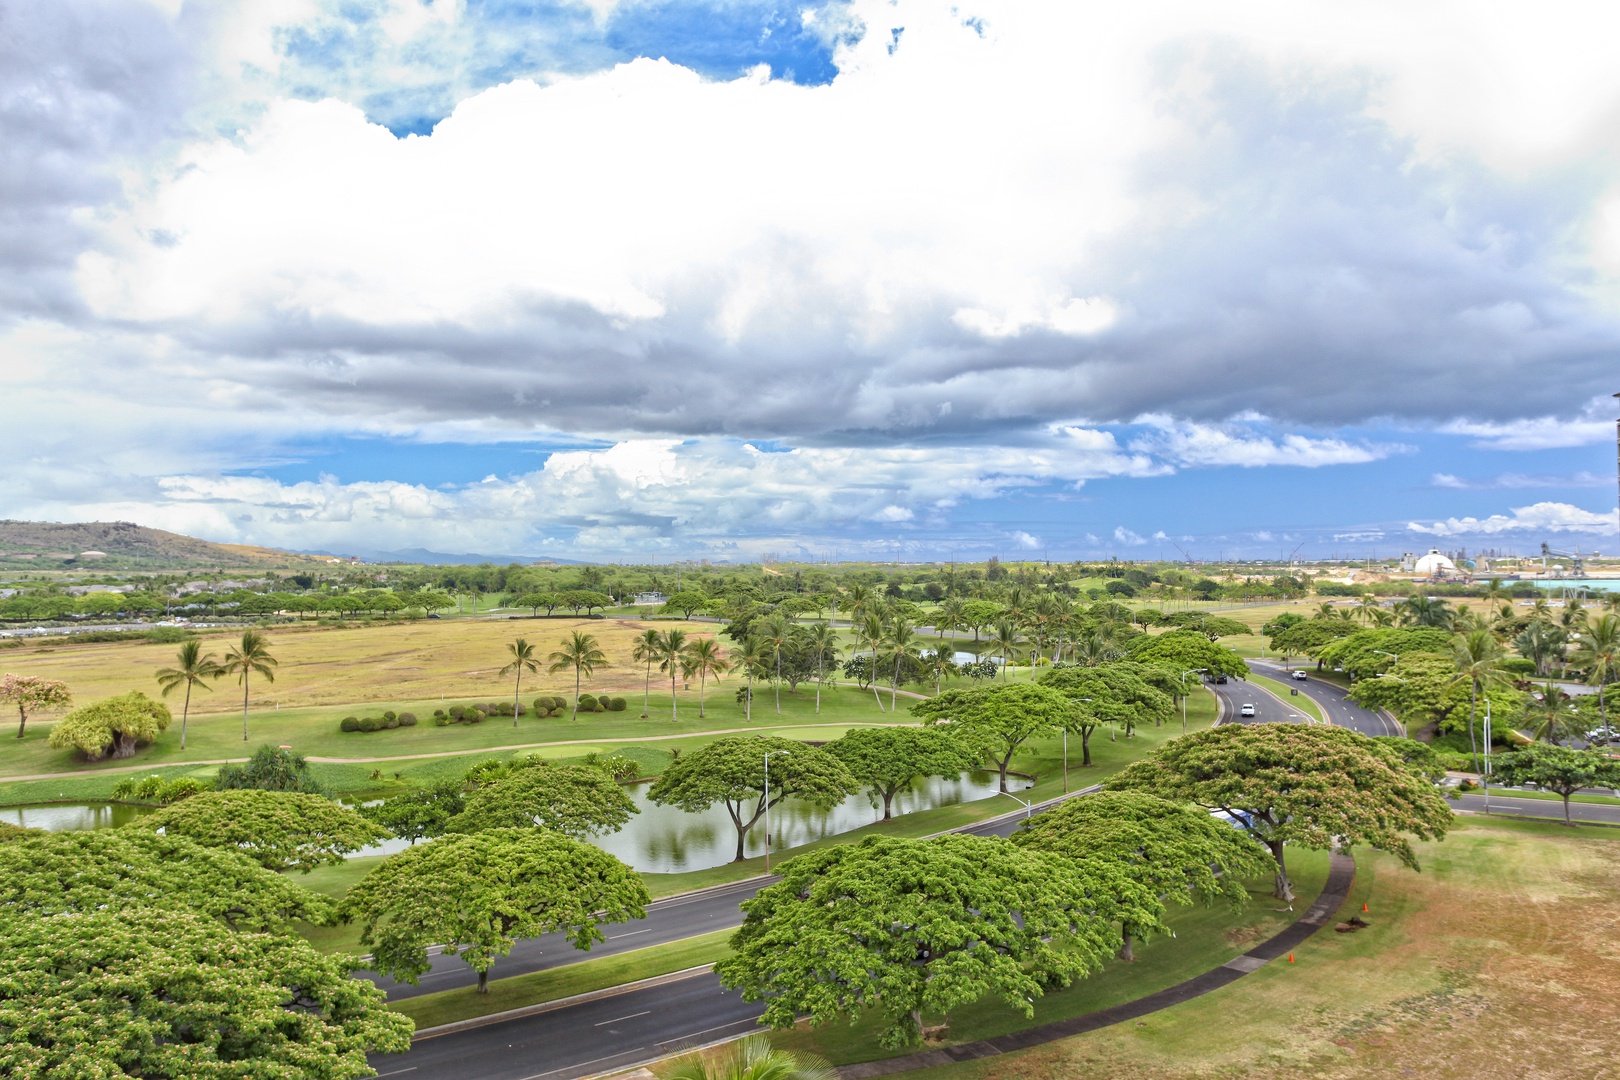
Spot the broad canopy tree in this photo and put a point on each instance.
(1185, 650)
(1557, 769)
(478, 893)
(167, 994)
(1176, 850)
(1109, 693)
(913, 927)
(889, 759)
(113, 726)
(573, 800)
(732, 771)
(998, 720)
(1306, 784)
(54, 873)
(31, 693)
(281, 830)
(421, 813)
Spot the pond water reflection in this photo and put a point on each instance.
(658, 840)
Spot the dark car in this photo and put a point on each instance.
(1220, 678)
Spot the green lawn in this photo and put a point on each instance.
(448, 1006)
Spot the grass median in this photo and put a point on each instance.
(1283, 693)
(464, 1003)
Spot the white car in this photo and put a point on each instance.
(1245, 710)
(1300, 676)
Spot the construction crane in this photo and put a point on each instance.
(1577, 567)
(1291, 554)
(1183, 551)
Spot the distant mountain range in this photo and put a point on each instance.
(121, 545)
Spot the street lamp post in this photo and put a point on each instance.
(1028, 808)
(1486, 776)
(768, 805)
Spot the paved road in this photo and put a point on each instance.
(1334, 701)
(618, 1031)
(1267, 708)
(667, 920)
(1542, 808)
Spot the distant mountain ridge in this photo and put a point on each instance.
(49, 545)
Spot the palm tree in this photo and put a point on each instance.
(1007, 639)
(752, 1059)
(746, 657)
(1477, 658)
(822, 641)
(672, 647)
(1597, 652)
(523, 659)
(949, 617)
(1539, 643)
(704, 658)
(774, 632)
(869, 634)
(252, 655)
(1548, 714)
(1382, 617)
(581, 652)
(646, 651)
(193, 668)
(1425, 611)
(1573, 617)
(1366, 606)
(900, 644)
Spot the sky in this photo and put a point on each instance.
(635, 280)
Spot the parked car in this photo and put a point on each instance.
(1602, 736)
(1220, 678)
(1245, 709)
(1300, 676)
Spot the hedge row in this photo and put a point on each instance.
(386, 722)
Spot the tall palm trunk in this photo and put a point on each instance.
(646, 690)
(674, 701)
(703, 681)
(244, 705)
(819, 678)
(779, 680)
(576, 693)
(517, 693)
(185, 712)
(1473, 709)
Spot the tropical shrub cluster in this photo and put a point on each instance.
(388, 721)
(158, 789)
(592, 703)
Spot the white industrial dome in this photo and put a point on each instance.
(1434, 563)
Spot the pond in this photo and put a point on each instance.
(658, 840)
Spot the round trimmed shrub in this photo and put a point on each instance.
(350, 723)
(456, 712)
(390, 715)
(587, 703)
(617, 704)
(390, 721)
(542, 706)
(407, 719)
(473, 716)
(440, 720)
(518, 707)
(369, 723)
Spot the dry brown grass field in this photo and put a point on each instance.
(458, 658)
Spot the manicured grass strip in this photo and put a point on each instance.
(1302, 703)
(448, 1006)
(1546, 796)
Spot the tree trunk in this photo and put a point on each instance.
(575, 715)
(483, 981)
(517, 692)
(244, 705)
(820, 678)
(123, 744)
(779, 680)
(185, 712)
(703, 681)
(22, 720)
(888, 798)
(646, 690)
(1126, 953)
(1568, 822)
(1285, 888)
(674, 702)
(1085, 747)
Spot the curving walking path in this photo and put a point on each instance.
(1341, 874)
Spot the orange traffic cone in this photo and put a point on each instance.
(1290, 958)
(1363, 907)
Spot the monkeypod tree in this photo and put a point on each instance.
(732, 771)
(30, 693)
(575, 800)
(168, 994)
(113, 726)
(1185, 650)
(418, 815)
(1110, 692)
(476, 894)
(889, 759)
(1308, 784)
(1177, 850)
(908, 927)
(55, 873)
(998, 720)
(1557, 769)
(281, 830)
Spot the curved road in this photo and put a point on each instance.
(1334, 701)
(614, 1032)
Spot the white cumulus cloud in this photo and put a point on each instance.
(1555, 517)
